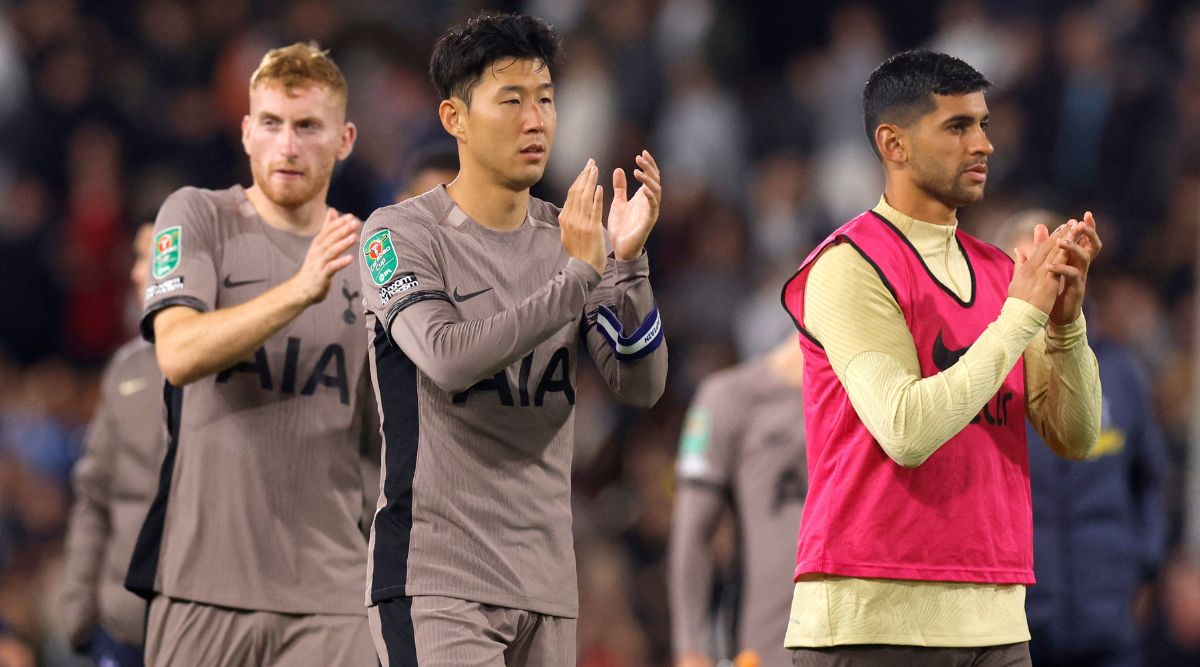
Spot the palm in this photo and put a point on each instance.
(631, 219)
(629, 223)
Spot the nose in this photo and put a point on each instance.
(287, 142)
(981, 144)
(534, 120)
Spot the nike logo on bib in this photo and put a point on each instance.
(943, 357)
(230, 284)
(464, 297)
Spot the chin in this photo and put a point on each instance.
(526, 180)
(290, 197)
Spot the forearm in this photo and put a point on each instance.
(1063, 385)
(87, 536)
(625, 335)
(690, 568)
(911, 417)
(191, 345)
(455, 353)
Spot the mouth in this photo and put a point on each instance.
(534, 152)
(977, 173)
(288, 173)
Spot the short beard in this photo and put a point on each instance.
(293, 198)
(947, 189)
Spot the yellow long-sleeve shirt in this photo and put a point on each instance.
(850, 311)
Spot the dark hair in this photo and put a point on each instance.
(465, 51)
(901, 89)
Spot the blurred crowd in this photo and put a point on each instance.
(754, 112)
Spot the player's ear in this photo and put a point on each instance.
(349, 134)
(890, 141)
(246, 133)
(453, 114)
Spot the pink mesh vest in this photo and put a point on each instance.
(963, 515)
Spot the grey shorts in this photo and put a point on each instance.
(434, 631)
(179, 632)
(888, 655)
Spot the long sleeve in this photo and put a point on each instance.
(624, 334)
(873, 355)
(1062, 387)
(697, 510)
(707, 452)
(455, 353)
(89, 532)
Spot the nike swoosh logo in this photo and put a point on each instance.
(464, 297)
(131, 387)
(943, 357)
(230, 284)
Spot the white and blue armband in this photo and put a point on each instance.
(644, 340)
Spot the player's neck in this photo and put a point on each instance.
(488, 203)
(917, 204)
(305, 219)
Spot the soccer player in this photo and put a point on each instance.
(742, 448)
(925, 349)
(114, 484)
(480, 298)
(253, 551)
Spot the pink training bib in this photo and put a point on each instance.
(965, 513)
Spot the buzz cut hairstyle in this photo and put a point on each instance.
(465, 51)
(300, 65)
(901, 89)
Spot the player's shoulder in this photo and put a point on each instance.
(415, 216)
(733, 382)
(543, 212)
(195, 205)
(137, 352)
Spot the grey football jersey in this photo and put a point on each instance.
(476, 338)
(261, 494)
(744, 440)
(114, 483)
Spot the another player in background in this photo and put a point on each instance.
(253, 552)
(480, 299)
(742, 449)
(430, 170)
(1100, 525)
(924, 350)
(114, 483)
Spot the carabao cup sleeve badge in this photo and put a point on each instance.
(167, 247)
(380, 256)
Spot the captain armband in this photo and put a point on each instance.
(643, 341)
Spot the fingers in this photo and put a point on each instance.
(1020, 257)
(649, 176)
(620, 186)
(590, 180)
(1045, 243)
(1091, 237)
(570, 208)
(337, 264)
(1072, 273)
(1074, 251)
(597, 211)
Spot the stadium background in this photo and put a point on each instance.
(753, 110)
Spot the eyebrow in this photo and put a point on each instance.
(549, 85)
(274, 116)
(965, 118)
